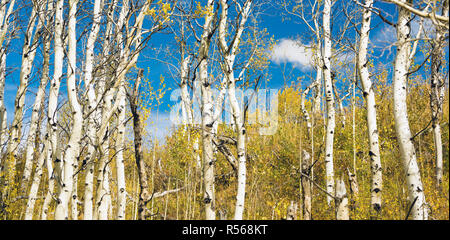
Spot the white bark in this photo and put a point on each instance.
(342, 212)
(47, 15)
(4, 25)
(72, 150)
(31, 40)
(329, 140)
(52, 127)
(38, 103)
(92, 109)
(292, 211)
(207, 115)
(3, 113)
(120, 165)
(229, 55)
(369, 95)
(438, 92)
(416, 194)
(188, 117)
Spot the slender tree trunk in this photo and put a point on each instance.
(72, 150)
(33, 131)
(31, 42)
(329, 139)
(144, 195)
(4, 24)
(306, 186)
(120, 162)
(52, 127)
(369, 95)
(438, 93)
(92, 109)
(3, 117)
(207, 114)
(42, 155)
(416, 194)
(229, 54)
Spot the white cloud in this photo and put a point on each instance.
(294, 52)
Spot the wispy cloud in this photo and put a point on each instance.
(294, 52)
(159, 125)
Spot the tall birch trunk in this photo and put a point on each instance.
(329, 139)
(31, 41)
(72, 150)
(3, 114)
(5, 13)
(38, 103)
(42, 155)
(92, 108)
(52, 127)
(229, 54)
(120, 165)
(416, 194)
(438, 92)
(207, 115)
(369, 95)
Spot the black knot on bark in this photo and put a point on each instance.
(377, 207)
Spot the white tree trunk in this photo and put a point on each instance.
(229, 55)
(72, 150)
(341, 200)
(42, 155)
(438, 92)
(329, 140)
(38, 103)
(31, 40)
(52, 127)
(3, 114)
(207, 117)
(92, 110)
(416, 194)
(4, 24)
(120, 147)
(369, 95)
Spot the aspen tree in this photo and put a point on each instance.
(40, 164)
(31, 42)
(102, 138)
(51, 137)
(229, 54)
(330, 128)
(5, 13)
(369, 95)
(72, 150)
(438, 91)
(207, 113)
(416, 194)
(120, 162)
(144, 194)
(92, 110)
(38, 103)
(306, 186)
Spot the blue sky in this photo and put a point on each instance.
(287, 54)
